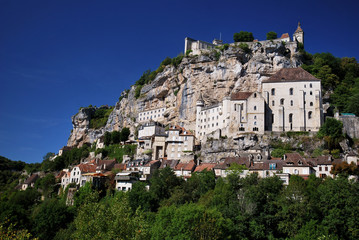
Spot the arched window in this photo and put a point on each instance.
(291, 117)
(255, 123)
(255, 95)
(291, 91)
(311, 104)
(273, 103)
(291, 102)
(282, 101)
(255, 108)
(273, 91)
(255, 117)
(311, 93)
(309, 114)
(310, 85)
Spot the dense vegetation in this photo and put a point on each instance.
(200, 208)
(243, 36)
(339, 76)
(100, 117)
(271, 35)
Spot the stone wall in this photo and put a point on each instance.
(350, 125)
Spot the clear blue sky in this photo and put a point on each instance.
(56, 56)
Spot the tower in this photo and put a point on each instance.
(299, 34)
(200, 103)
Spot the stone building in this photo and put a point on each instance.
(179, 142)
(293, 101)
(241, 112)
(153, 114)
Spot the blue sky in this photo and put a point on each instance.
(56, 56)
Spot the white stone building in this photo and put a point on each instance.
(153, 114)
(150, 129)
(179, 142)
(293, 101)
(241, 112)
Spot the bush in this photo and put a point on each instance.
(244, 47)
(188, 52)
(100, 117)
(279, 152)
(271, 35)
(243, 36)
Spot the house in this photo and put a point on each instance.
(151, 128)
(168, 163)
(30, 182)
(322, 166)
(148, 169)
(295, 164)
(185, 169)
(65, 179)
(76, 175)
(221, 168)
(205, 167)
(125, 180)
(179, 142)
(105, 165)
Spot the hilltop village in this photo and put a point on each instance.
(289, 100)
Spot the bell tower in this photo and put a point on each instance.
(299, 34)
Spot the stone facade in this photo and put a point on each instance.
(179, 141)
(293, 101)
(151, 115)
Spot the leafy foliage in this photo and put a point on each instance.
(243, 36)
(100, 117)
(331, 131)
(271, 35)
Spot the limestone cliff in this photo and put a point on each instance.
(214, 73)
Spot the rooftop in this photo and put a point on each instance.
(291, 75)
(240, 95)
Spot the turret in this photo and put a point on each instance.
(299, 34)
(200, 103)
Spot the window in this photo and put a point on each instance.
(273, 91)
(326, 168)
(305, 86)
(311, 104)
(255, 129)
(311, 93)
(282, 101)
(296, 171)
(255, 117)
(255, 95)
(291, 102)
(241, 129)
(320, 168)
(255, 123)
(310, 85)
(272, 166)
(291, 91)
(273, 103)
(309, 114)
(255, 108)
(291, 117)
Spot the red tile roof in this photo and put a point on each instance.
(291, 75)
(205, 166)
(240, 95)
(284, 35)
(87, 168)
(169, 163)
(189, 166)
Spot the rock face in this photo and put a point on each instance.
(214, 73)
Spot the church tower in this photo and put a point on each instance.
(299, 34)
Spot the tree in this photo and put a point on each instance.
(107, 138)
(50, 216)
(271, 35)
(243, 36)
(125, 133)
(115, 137)
(331, 131)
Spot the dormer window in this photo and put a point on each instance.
(300, 163)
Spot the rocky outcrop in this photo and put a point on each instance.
(213, 73)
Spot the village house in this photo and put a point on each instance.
(125, 180)
(179, 141)
(76, 175)
(185, 169)
(30, 182)
(295, 164)
(322, 166)
(148, 169)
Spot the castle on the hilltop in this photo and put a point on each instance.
(197, 46)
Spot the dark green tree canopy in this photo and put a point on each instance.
(271, 35)
(243, 36)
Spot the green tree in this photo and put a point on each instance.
(243, 36)
(115, 137)
(125, 133)
(271, 35)
(107, 138)
(50, 216)
(331, 131)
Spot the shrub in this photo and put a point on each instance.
(243, 36)
(271, 35)
(279, 152)
(244, 47)
(188, 52)
(138, 91)
(100, 117)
